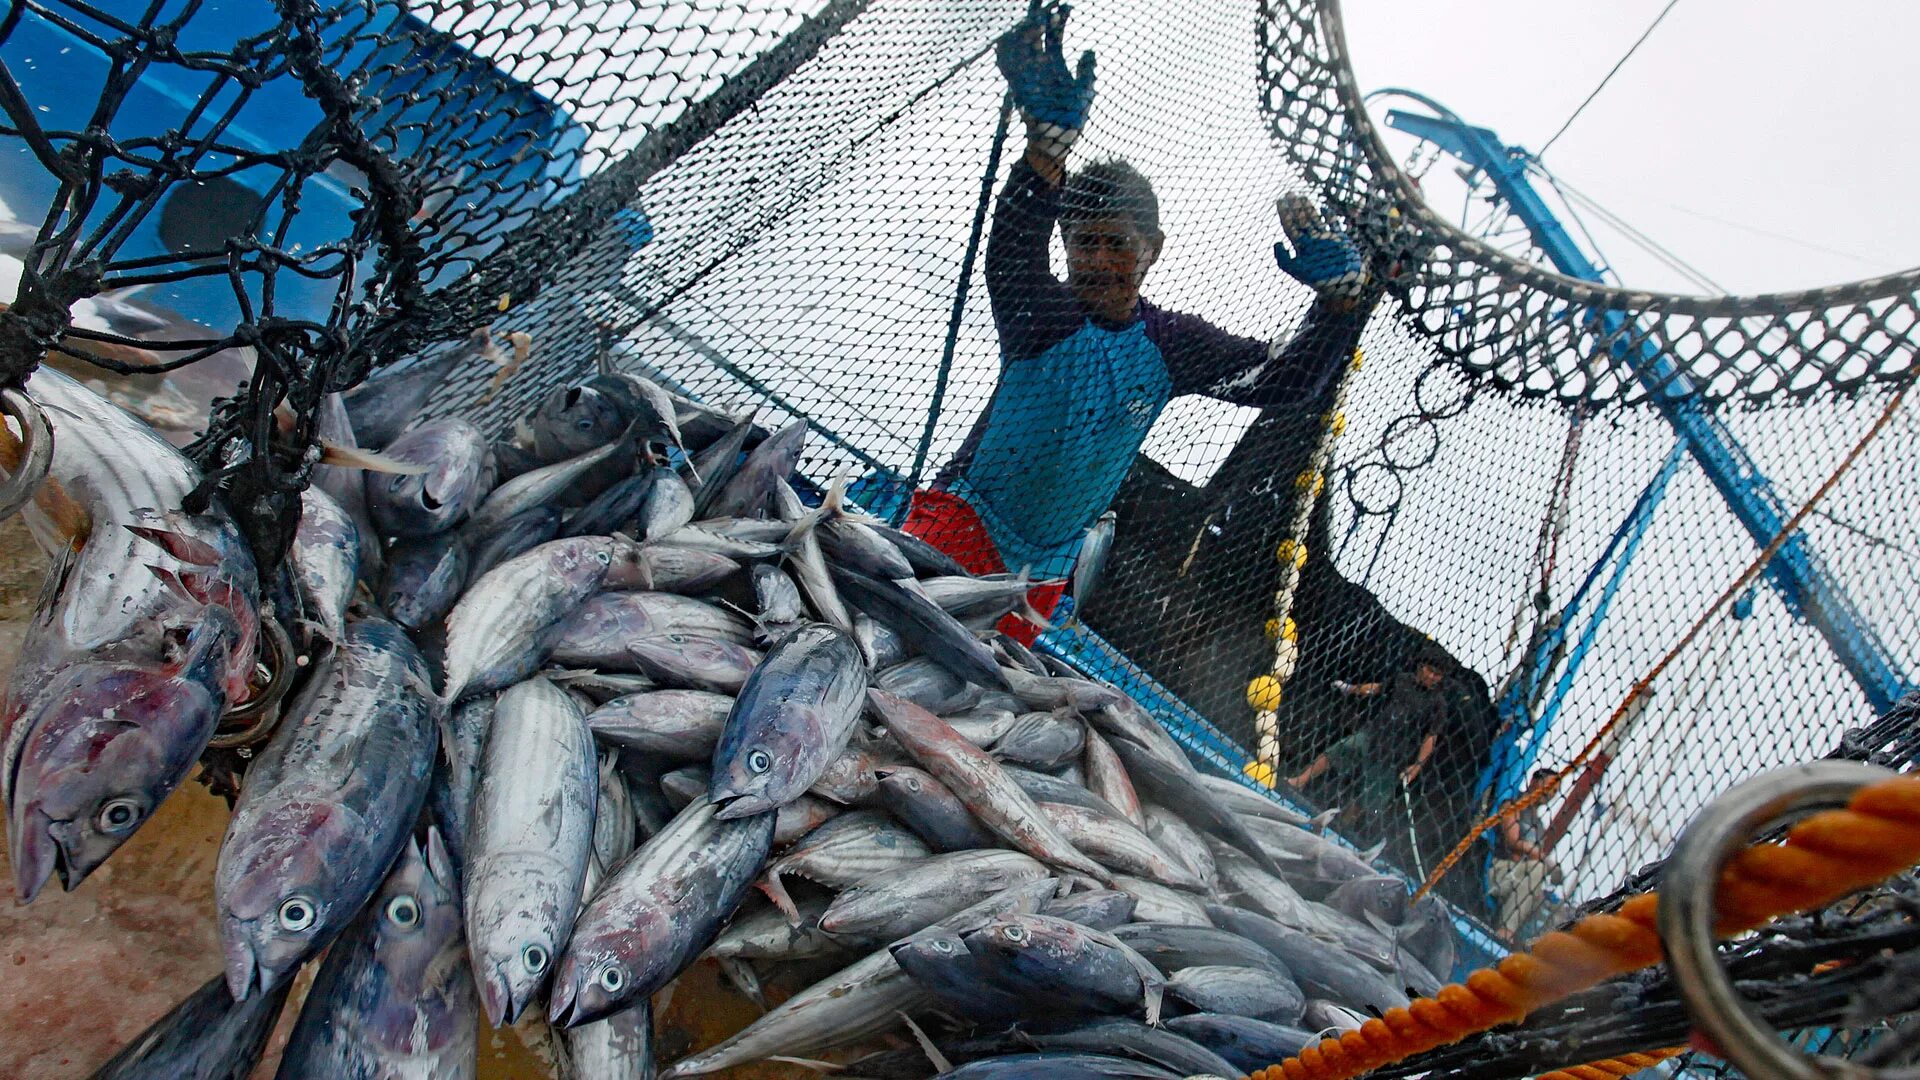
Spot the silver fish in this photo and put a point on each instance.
(500, 630)
(1238, 991)
(810, 570)
(347, 487)
(463, 744)
(1154, 902)
(1183, 843)
(598, 631)
(793, 716)
(515, 536)
(693, 662)
(1116, 844)
(1090, 565)
(751, 491)
(394, 997)
(981, 783)
(538, 488)
(862, 999)
(681, 725)
(844, 852)
(325, 561)
(685, 570)
(932, 687)
(621, 1046)
(531, 837)
(98, 745)
(459, 476)
(669, 506)
(327, 805)
(423, 580)
(772, 934)
(895, 903)
(1107, 777)
(658, 911)
(777, 605)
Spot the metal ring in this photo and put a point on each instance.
(1686, 915)
(36, 450)
(260, 712)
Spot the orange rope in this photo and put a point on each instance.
(1535, 796)
(1624, 1065)
(1824, 857)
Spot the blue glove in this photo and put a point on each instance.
(1323, 257)
(1053, 101)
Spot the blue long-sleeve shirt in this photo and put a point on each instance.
(1077, 395)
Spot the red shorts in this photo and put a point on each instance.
(948, 523)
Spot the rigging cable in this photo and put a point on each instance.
(1635, 47)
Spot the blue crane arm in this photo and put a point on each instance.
(1796, 572)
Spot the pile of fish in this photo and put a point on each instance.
(584, 706)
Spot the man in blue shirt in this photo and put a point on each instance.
(1087, 364)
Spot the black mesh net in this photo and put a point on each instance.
(1473, 499)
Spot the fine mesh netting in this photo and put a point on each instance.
(1533, 486)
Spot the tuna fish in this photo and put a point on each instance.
(528, 844)
(459, 476)
(658, 911)
(792, 718)
(394, 996)
(328, 804)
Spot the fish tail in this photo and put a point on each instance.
(776, 891)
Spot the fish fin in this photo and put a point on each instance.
(182, 547)
(603, 358)
(439, 861)
(175, 583)
(776, 891)
(1323, 819)
(940, 1062)
(744, 979)
(1387, 929)
(69, 516)
(1373, 852)
(352, 457)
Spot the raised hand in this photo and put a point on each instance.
(1323, 257)
(1053, 101)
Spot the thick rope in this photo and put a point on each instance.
(1823, 858)
(1542, 792)
(1624, 1065)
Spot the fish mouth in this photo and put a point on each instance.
(733, 807)
(35, 853)
(496, 997)
(241, 967)
(560, 1004)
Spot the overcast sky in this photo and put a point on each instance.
(1768, 143)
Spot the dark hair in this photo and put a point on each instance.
(1538, 774)
(1109, 189)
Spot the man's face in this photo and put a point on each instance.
(1107, 259)
(1427, 675)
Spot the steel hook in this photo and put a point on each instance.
(36, 450)
(1686, 916)
(254, 719)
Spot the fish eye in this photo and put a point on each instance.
(1015, 933)
(403, 912)
(942, 945)
(585, 423)
(117, 815)
(613, 980)
(603, 558)
(759, 761)
(297, 913)
(535, 959)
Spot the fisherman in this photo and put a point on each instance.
(1520, 870)
(1086, 365)
(1381, 758)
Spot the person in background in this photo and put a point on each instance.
(1390, 751)
(1086, 365)
(1520, 870)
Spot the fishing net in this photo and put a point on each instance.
(1533, 485)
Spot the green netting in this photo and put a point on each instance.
(781, 207)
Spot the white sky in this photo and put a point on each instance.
(1737, 119)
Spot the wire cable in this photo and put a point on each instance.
(1635, 47)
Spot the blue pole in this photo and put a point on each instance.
(1797, 571)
